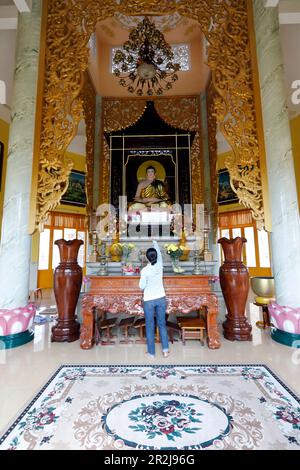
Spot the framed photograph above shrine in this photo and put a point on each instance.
(1, 161)
(226, 195)
(76, 192)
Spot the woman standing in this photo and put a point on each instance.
(151, 282)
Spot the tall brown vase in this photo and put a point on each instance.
(234, 280)
(67, 284)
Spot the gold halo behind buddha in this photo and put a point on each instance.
(159, 168)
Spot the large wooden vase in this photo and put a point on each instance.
(234, 280)
(67, 284)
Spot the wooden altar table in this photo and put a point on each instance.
(121, 294)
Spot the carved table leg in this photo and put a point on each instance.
(87, 330)
(213, 335)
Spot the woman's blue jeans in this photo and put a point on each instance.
(156, 308)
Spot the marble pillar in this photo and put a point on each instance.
(97, 153)
(285, 237)
(207, 181)
(15, 250)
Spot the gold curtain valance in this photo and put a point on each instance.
(242, 218)
(120, 114)
(60, 219)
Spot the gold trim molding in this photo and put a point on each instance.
(89, 112)
(213, 153)
(69, 26)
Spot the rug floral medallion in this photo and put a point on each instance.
(160, 407)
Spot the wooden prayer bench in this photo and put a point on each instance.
(192, 328)
(121, 294)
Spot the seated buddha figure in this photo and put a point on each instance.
(151, 194)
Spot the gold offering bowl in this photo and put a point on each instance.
(264, 288)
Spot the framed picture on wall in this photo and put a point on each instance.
(1, 161)
(76, 192)
(225, 193)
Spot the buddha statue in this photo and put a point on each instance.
(151, 194)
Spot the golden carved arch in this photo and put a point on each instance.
(69, 26)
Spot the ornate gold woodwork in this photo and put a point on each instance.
(105, 174)
(184, 113)
(70, 24)
(120, 114)
(213, 153)
(89, 111)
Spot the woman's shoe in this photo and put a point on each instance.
(149, 356)
(166, 353)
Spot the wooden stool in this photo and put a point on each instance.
(193, 328)
(104, 324)
(125, 324)
(141, 325)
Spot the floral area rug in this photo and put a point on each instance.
(159, 407)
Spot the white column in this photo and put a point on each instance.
(285, 236)
(15, 250)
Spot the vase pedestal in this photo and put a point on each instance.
(65, 331)
(237, 329)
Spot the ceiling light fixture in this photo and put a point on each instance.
(144, 65)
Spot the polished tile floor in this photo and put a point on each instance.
(25, 369)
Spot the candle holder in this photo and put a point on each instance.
(103, 260)
(207, 254)
(197, 263)
(94, 256)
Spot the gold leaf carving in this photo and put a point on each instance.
(119, 114)
(105, 173)
(181, 112)
(89, 107)
(213, 153)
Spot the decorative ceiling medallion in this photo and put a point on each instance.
(163, 23)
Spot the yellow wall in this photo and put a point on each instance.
(295, 129)
(4, 134)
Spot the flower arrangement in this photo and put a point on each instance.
(175, 252)
(127, 249)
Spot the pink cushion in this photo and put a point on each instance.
(285, 318)
(16, 320)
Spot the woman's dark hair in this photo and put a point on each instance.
(151, 255)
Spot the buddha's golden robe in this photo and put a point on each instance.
(155, 190)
